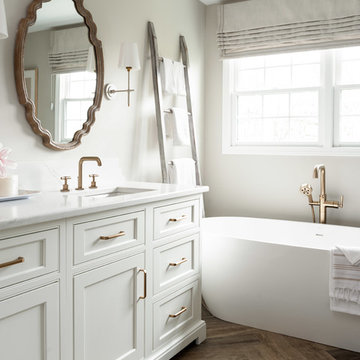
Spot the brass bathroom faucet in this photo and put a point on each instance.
(322, 203)
(81, 161)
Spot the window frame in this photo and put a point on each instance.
(329, 93)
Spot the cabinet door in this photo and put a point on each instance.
(29, 325)
(109, 313)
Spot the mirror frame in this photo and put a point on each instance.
(23, 97)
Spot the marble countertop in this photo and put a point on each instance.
(54, 205)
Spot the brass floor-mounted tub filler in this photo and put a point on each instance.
(323, 203)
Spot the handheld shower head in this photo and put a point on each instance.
(306, 189)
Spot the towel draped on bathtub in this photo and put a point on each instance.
(344, 289)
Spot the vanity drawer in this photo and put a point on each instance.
(172, 219)
(27, 256)
(175, 261)
(175, 313)
(97, 238)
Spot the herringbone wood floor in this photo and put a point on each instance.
(228, 341)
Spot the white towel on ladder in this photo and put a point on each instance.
(177, 126)
(344, 287)
(172, 77)
(182, 171)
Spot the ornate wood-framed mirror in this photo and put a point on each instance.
(59, 71)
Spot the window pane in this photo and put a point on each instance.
(349, 53)
(276, 105)
(350, 102)
(250, 130)
(249, 106)
(250, 79)
(349, 72)
(306, 75)
(276, 130)
(349, 130)
(304, 130)
(304, 103)
(76, 89)
(278, 77)
(73, 110)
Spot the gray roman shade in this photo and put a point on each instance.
(71, 51)
(255, 27)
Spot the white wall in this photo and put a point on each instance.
(128, 134)
(266, 186)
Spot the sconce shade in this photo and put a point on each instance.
(129, 56)
(3, 24)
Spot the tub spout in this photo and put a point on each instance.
(320, 168)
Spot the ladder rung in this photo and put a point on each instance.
(169, 111)
(162, 60)
(172, 163)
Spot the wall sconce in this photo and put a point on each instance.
(129, 60)
(3, 24)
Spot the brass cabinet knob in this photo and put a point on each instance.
(65, 187)
(93, 182)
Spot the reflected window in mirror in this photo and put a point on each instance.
(74, 95)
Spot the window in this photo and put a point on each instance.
(75, 95)
(294, 103)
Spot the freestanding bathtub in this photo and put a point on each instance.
(274, 275)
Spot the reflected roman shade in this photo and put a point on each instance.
(256, 27)
(71, 51)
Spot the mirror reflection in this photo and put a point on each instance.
(60, 66)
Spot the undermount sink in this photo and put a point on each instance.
(118, 191)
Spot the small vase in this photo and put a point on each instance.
(9, 186)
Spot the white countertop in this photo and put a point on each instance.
(49, 206)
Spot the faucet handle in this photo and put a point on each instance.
(65, 187)
(93, 181)
(341, 203)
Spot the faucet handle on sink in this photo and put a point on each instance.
(93, 181)
(341, 204)
(65, 187)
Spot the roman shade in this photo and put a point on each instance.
(71, 51)
(255, 27)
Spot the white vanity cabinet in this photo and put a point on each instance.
(109, 312)
(29, 293)
(118, 283)
(29, 325)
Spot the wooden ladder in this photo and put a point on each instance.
(155, 64)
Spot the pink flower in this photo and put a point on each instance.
(5, 163)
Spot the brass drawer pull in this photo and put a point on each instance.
(182, 217)
(183, 260)
(121, 233)
(183, 309)
(145, 284)
(19, 260)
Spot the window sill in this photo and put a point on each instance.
(290, 150)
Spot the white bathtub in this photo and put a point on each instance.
(274, 275)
